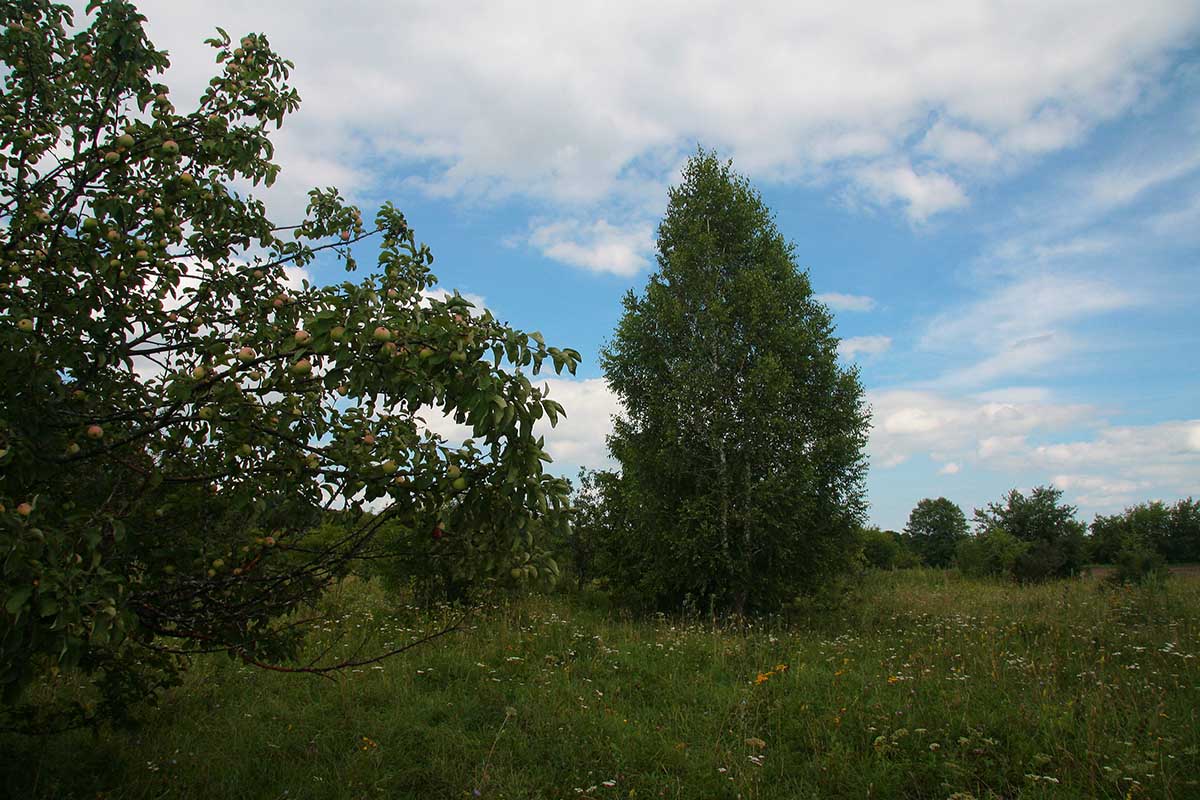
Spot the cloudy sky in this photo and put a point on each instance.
(999, 201)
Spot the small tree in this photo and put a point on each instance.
(178, 408)
(741, 449)
(935, 527)
(881, 549)
(1055, 538)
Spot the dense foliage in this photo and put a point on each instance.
(935, 527)
(180, 410)
(1173, 532)
(1053, 540)
(741, 449)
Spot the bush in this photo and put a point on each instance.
(881, 549)
(993, 553)
(1137, 562)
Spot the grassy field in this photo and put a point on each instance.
(924, 685)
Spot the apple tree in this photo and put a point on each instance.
(180, 410)
(741, 445)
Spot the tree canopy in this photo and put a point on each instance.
(180, 409)
(935, 528)
(741, 445)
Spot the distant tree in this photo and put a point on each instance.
(991, 553)
(1171, 531)
(1055, 537)
(1183, 544)
(935, 528)
(597, 523)
(881, 549)
(741, 448)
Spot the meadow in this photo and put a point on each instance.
(922, 684)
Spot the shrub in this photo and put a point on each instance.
(1137, 562)
(993, 553)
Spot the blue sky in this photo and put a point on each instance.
(1001, 204)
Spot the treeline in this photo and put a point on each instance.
(1036, 536)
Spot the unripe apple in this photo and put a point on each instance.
(246, 354)
(459, 484)
(453, 471)
(302, 337)
(246, 451)
(95, 432)
(337, 333)
(25, 509)
(218, 563)
(382, 334)
(343, 389)
(208, 413)
(112, 235)
(159, 212)
(91, 224)
(112, 156)
(389, 348)
(268, 541)
(142, 255)
(72, 449)
(125, 140)
(25, 325)
(458, 356)
(345, 236)
(302, 367)
(368, 439)
(425, 352)
(170, 147)
(199, 372)
(186, 178)
(388, 466)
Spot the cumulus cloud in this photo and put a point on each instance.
(922, 194)
(596, 246)
(566, 103)
(847, 302)
(867, 345)
(915, 422)
(1025, 432)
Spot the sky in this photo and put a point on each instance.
(1000, 202)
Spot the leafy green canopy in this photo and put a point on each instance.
(741, 448)
(935, 528)
(1053, 537)
(175, 411)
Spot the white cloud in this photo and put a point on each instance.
(950, 468)
(923, 194)
(847, 302)
(909, 422)
(597, 246)
(950, 143)
(579, 440)
(566, 103)
(868, 345)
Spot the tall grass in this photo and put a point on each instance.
(922, 685)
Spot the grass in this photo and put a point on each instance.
(924, 685)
